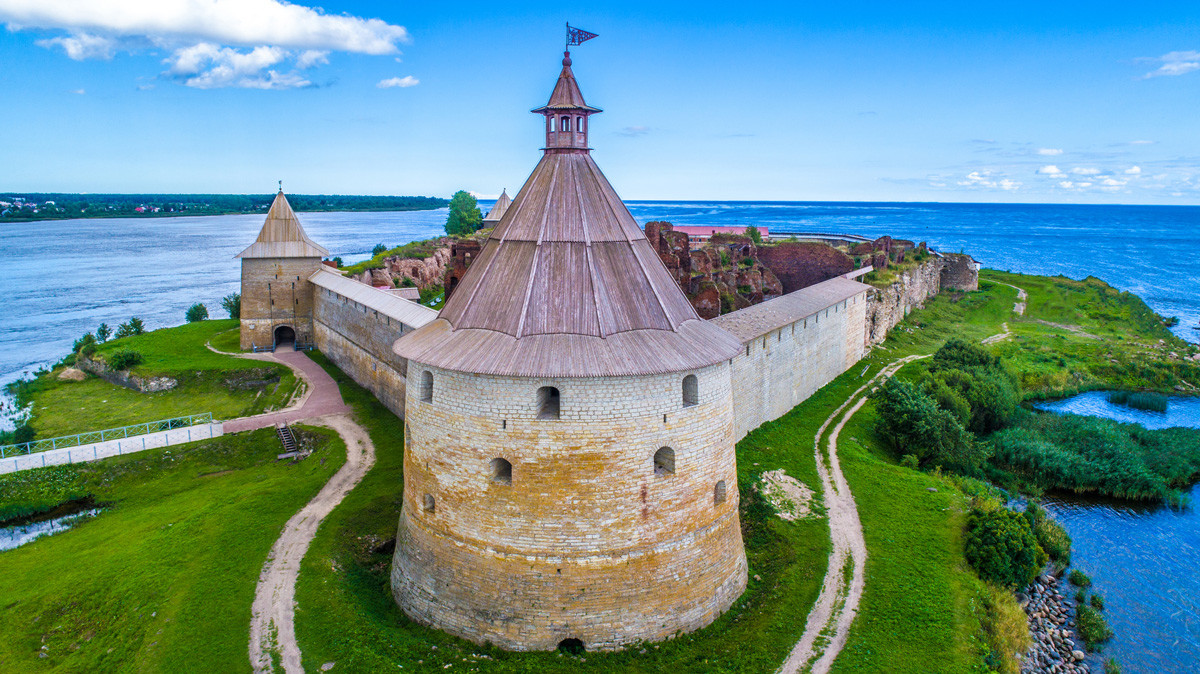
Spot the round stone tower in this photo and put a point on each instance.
(569, 467)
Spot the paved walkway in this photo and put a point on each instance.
(102, 450)
(321, 399)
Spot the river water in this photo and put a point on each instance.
(1144, 559)
(63, 278)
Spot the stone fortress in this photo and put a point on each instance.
(570, 420)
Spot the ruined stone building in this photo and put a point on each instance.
(570, 420)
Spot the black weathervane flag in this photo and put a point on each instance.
(577, 36)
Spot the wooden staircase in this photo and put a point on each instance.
(288, 439)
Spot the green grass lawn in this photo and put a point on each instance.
(208, 382)
(1124, 345)
(346, 613)
(163, 579)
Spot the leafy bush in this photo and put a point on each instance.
(196, 312)
(1111, 666)
(967, 377)
(912, 423)
(959, 354)
(18, 436)
(746, 262)
(1098, 602)
(1050, 534)
(1079, 578)
(1092, 626)
(754, 235)
(1001, 547)
(123, 359)
(232, 304)
(103, 332)
(910, 461)
(724, 255)
(379, 248)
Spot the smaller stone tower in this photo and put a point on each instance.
(277, 299)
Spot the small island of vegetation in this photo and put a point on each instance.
(27, 207)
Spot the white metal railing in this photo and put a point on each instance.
(104, 435)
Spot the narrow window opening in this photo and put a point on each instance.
(719, 493)
(747, 349)
(664, 418)
(548, 402)
(579, 124)
(565, 123)
(504, 424)
(501, 471)
(551, 123)
(427, 386)
(691, 391)
(430, 505)
(664, 461)
(571, 646)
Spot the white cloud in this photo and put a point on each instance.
(1141, 142)
(82, 46)
(1084, 184)
(1050, 170)
(245, 23)
(1066, 184)
(1046, 151)
(210, 66)
(988, 179)
(1174, 63)
(1113, 182)
(81, 92)
(402, 82)
(312, 57)
(1133, 170)
(231, 37)
(632, 131)
(1085, 171)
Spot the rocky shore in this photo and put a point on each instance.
(1052, 626)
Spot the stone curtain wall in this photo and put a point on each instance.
(780, 369)
(359, 340)
(275, 292)
(587, 541)
(800, 264)
(888, 306)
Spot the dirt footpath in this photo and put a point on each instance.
(272, 619)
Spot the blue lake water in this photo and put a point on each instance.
(1144, 558)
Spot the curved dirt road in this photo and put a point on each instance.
(272, 618)
(829, 621)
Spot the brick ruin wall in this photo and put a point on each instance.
(276, 292)
(780, 369)
(801, 264)
(358, 339)
(588, 541)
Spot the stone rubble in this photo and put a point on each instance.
(1052, 626)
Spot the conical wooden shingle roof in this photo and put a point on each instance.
(282, 236)
(567, 285)
(566, 94)
(497, 210)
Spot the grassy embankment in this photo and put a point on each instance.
(346, 613)
(1083, 335)
(207, 382)
(162, 580)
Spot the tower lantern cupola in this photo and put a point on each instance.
(566, 115)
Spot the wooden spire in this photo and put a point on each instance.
(281, 234)
(567, 285)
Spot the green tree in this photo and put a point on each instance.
(130, 328)
(379, 248)
(103, 332)
(88, 339)
(1002, 548)
(123, 359)
(465, 216)
(754, 235)
(912, 423)
(196, 312)
(232, 304)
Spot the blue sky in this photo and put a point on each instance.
(1024, 102)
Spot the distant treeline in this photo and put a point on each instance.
(23, 207)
